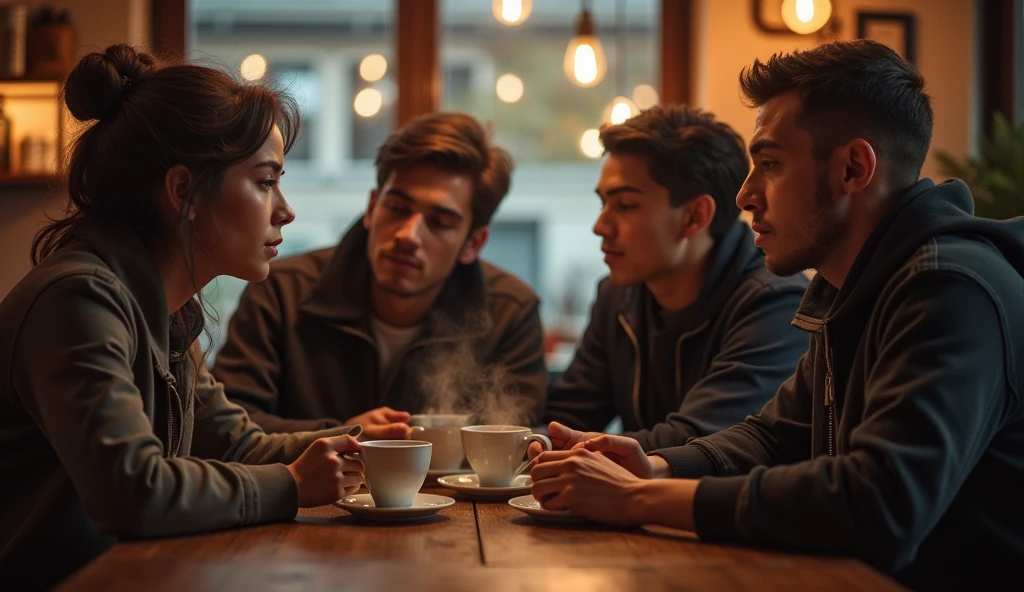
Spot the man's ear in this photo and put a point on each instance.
(701, 212)
(177, 182)
(859, 165)
(368, 215)
(474, 244)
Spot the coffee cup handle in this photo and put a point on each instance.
(544, 441)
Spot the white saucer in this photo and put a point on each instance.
(424, 505)
(469, 486)
(433, 474)
(528, 505)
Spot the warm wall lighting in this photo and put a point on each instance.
(253, 67)
(368, 102)
(619, 110)
(806, 16)
(509, 88)
(644, 96)
(512, 12)
(585, 64)
(590, 144)
(373, 67)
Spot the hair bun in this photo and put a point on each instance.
(98, 84)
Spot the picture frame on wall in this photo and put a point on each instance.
(894, 29)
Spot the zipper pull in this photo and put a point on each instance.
(830, 393)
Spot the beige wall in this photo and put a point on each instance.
(99, 24)
(727, 40)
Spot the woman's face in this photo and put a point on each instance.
(240, 230)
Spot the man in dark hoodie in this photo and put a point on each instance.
(900, 438)
(689, 333)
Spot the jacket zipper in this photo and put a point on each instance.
(830, 394)
(678, 363)
(172, 421)
(636, 371)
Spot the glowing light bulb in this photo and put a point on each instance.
(585, 63)
(373, 67)
(511, 12)
(590, 144)
(645, 96)
(253, 67)
(509, 88)
(619, 110)
(806, 16)
(368, 102)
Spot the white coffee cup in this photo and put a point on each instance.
(496, 451)
(443, 432)
(394, 470)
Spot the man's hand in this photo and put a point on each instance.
(623, 451)
(562, 438)
(382, 423)
(588, 484)
(321, 473)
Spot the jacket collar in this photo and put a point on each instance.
(822, 301)
(129, 259)
(341, 296)
(733, 256)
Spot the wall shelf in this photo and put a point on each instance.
(29, 181)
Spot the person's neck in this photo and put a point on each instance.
(401, 311)
(679, 287)
(843, 254)
(175, 277)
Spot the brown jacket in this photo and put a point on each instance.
(301, 353)
(104, 422)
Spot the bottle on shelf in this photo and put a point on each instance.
(5, 140)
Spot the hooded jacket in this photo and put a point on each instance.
(727, 353)
(900, 438)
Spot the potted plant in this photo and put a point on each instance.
(996, 174)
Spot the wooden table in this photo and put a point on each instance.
(486, 546)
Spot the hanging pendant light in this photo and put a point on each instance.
(511, 12)
(622, 107)
(806, 16)
(585, 63)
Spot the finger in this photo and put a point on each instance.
(550, 470)
(619, 445)
(562, 436)
(558, 501)
(352, 465)
(342, 444)
(534, 450)
(543, 490)
(393, 431)
(554, 455)
(393, 416)
(351, 481)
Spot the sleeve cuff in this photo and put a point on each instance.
(714, 508)
(276, 493)
(687, 462)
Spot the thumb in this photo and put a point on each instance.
(344, 443)
(395, 416)
(560, 434)
(613, 444)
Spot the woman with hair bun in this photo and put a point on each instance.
(110, 424)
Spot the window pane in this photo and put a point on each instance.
(552, 206)
(313, 49)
